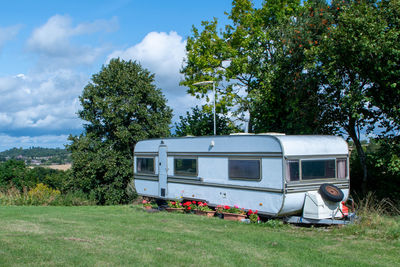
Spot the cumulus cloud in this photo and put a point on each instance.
(40, 103)
(163, 54)
(8, 33)
(53, 40)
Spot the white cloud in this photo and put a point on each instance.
(8, 33)
(53, 41)
(45, 102)
(161, 53)
(51, 141)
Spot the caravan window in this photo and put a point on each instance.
(312, 169)
(317, 169)
(244, 169)
(145, 165)
(185, 166)
(292, 173)
(341, 168)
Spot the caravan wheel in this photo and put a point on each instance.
(331, 192)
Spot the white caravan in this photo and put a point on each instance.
(278, 175)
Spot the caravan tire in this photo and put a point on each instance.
(331, 192)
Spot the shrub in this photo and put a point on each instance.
(43, 195)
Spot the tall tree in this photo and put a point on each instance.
(351, 66)
(245, 59)
(121, 106)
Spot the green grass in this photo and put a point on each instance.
(126, 235)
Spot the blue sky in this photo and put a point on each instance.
(50, 49)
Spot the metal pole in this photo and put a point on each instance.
(215, 128)
(213, 83)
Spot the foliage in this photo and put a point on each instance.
(228, 209)
(274, 223)
(311, 67)
(14, 173)
(375, 218)
(42, 195)
(383, 168)
(202, 206)
(149, 204)
(99, 171)
(189, 206)
(121, 106)
(258, 72)
(253, 216)
(174, 204)
(201, 123)
(50, 155)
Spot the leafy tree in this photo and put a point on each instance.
(257, 72)
(357, 38)
(14, 173)
(290, 99)
(121, 105)
(200, 123)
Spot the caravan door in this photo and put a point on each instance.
(162, 170)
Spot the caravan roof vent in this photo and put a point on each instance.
(271, 133)
(241, 134)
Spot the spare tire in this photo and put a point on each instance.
(331, 192)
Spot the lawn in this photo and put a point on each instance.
(127, 235)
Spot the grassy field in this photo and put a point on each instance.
(126, 235)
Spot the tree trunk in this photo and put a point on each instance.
(361, 155)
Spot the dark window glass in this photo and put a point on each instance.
(293, 171)
(185, 167)
(317, 169)
(244, 169)
(145, 165)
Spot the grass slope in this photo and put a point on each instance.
(126, 235)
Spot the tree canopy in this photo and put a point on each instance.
(304, 67)
(121, 106)
(199, 123)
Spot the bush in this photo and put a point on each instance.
(43, 195)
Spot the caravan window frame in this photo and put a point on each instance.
(184, 173)
(245, 178)
(146, 172)
(300, 170)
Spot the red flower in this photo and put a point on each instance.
(189, 208)
(194, 202)
(144, 201)
(199, 203)
(227, 207)
(256, 212)
(173, 203)
(250, 212)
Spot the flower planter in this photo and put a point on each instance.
(205, 213)
(180, 210)
(233, 216)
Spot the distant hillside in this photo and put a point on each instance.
(37, 155)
